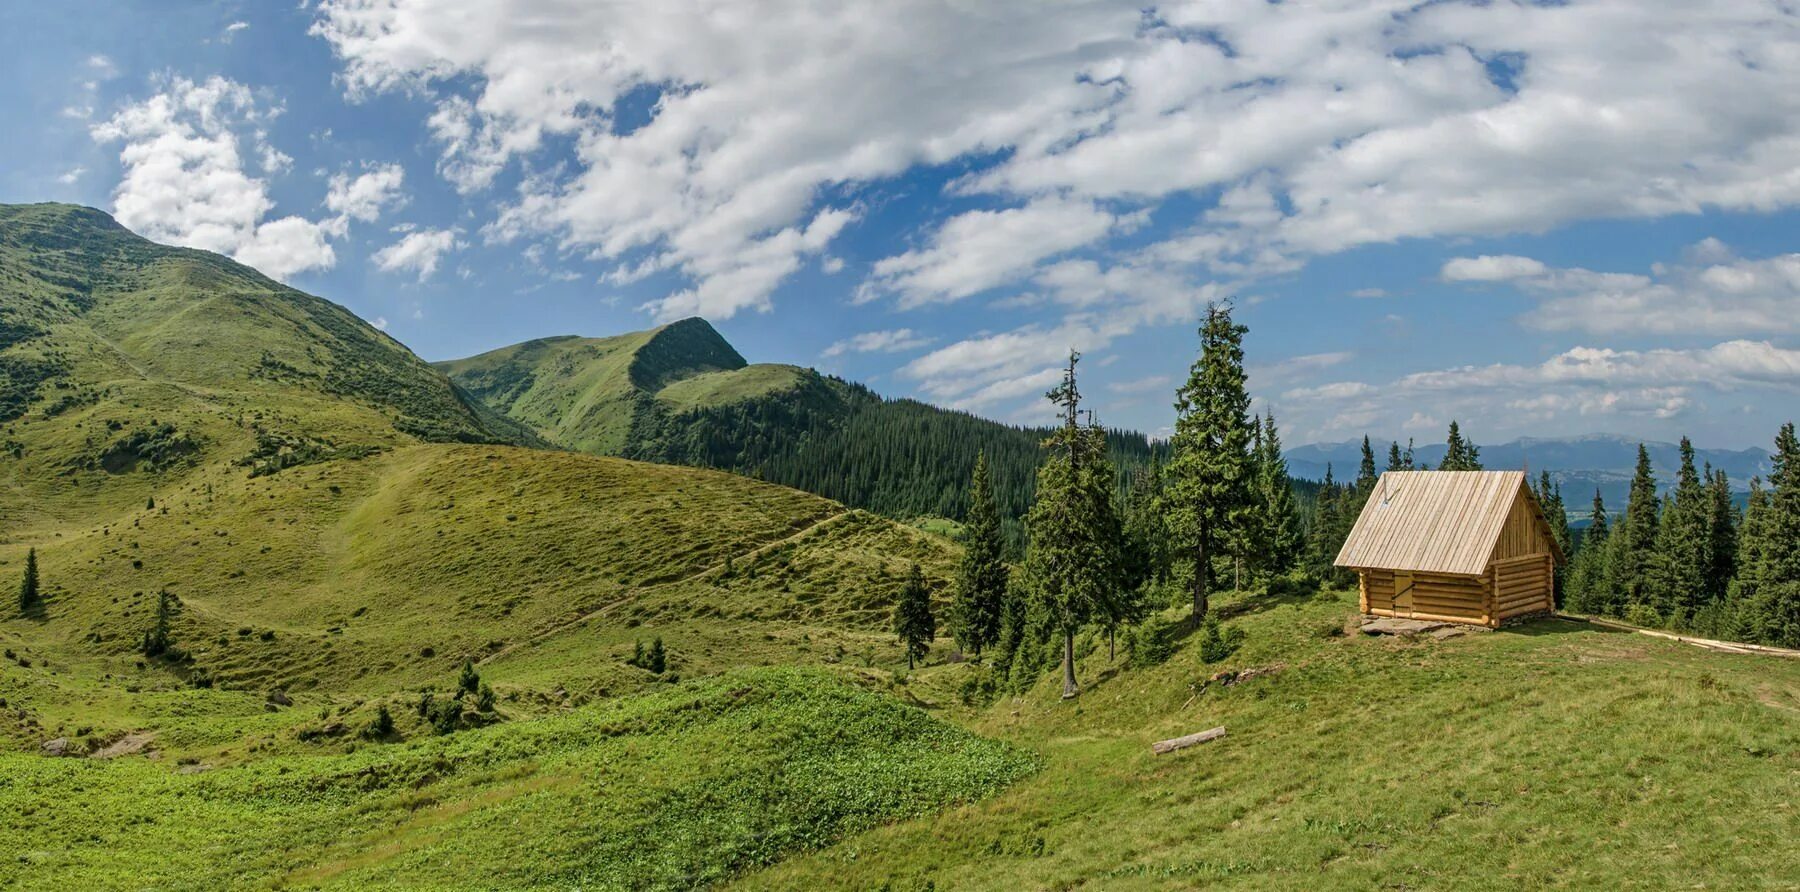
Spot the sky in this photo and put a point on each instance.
(1540, 219)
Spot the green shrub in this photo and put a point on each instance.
(1215, 643)
(1149, 643)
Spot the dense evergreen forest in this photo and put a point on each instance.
(900, 458)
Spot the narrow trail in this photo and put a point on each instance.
(635, 591)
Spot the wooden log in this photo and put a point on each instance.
(1168, 746)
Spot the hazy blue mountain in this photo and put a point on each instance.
(1579, 464)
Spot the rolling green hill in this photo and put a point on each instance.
(681, 394)
(124, 362)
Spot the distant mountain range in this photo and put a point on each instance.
(1579, 464)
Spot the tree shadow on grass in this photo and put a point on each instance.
(1556, 624)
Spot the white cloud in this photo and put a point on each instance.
(418, 252)
(1326, 125)
(978, 250)
(366, 196)
(895, 341)
(1713, 292)
(1369, 292)
(184, 180)
(68, 177)
(232, 30)
(1491, 268)
(380, 323)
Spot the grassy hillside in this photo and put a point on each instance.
(124, 363)
(673, 790)
(1551, 755)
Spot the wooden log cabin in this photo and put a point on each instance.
(1459, 546)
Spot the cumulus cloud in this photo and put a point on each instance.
(895, 341)
(68, 177)
(185, 181)
(418, 252)
(701, 145)
(1491, 268)
(1711, 292)
(973, 252)
(366, 196)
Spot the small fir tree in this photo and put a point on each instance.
(1459, 454)
(913, 621)
(29, 596)
(468, 682)
(981, 575)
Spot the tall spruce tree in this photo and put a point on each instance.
(1073, 563)
(1406, 458)
(913, 621)
(1459, 454)
(1209, 476)
(1779, 578)
(1632, 546)
(1322, 543)
(29, 596)
(1721, 536)
(1549, 496)
(1365, 470)
(1587, 569)
(981, 576)
(1394, 461)
(1677, 570)
(1278, 521)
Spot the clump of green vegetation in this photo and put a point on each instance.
(651, 659)
(275, 453)
(686, 787)
(1216, 642)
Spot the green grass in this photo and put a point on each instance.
(732, 386)
(672, 790)
(1554, 755)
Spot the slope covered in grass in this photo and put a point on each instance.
(393, 569)
(674, 790)
(1551, 755)
(123, 361)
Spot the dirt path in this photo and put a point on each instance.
(633, 592)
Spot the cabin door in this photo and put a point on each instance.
(1403, 593)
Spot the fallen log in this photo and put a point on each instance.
(1169, 746)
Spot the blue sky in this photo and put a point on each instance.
(1538, 219)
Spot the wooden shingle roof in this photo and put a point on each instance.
(1434, 521)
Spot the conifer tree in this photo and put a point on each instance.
(1279, 522)
(1074, 561)
(1748, 620)
(1587, 569)
(29, 596)
(157, 640)
(1460, 454)
(1365, 470)
(1678, 567)
(981, 576)
(656, 659)
(1549, 496)
(1322, 543)
(913, 621)
(1406, 458)
(468, 682)
(1631, 547)
(1209, 485)
(1721, 535)
(1779, 577)
(1394, 460)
